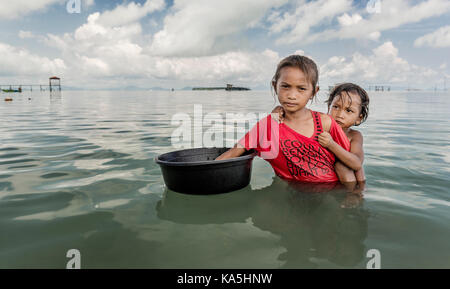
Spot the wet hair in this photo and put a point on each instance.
(353, 88)
(305, 64)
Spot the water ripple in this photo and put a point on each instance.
(77, 170)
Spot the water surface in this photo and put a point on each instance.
(77, 171)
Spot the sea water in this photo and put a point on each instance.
(77, 171)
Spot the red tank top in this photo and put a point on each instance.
(292, 155)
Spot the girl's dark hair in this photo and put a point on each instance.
(304, 63)
(353, 88)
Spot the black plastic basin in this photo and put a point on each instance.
(194, 171)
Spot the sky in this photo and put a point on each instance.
(96, 44)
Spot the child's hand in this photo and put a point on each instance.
(352, 200)
(355, 198)
(325, 139)
(279, 109)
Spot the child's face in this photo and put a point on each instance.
(293, 89)
(346, 109)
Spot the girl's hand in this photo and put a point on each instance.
(352, 200)
(325, 140)
(279, 109)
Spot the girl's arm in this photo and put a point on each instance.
(234, 152)
(250, 141)
(344, 173)
(360, 176)
(352, 159)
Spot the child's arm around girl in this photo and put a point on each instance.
(349, 165)
(353, 158)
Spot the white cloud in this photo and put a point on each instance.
(107, 52)
(297, 25)
(20, 62)
(438, 38)
(374, 35)
(383, 66)
(130, 13)
(347, 20)
(108, 44)
(200, 43)
(195, 27)
(96, 33)
(111, 49)
(14, 9)
(394, 13)
(25, 34)
(18, 8)
(248, 67)
(128, 61)
(88, 3)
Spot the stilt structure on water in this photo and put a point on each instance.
(54, 84)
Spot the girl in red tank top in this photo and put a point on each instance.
(292, 155)
(292, 147)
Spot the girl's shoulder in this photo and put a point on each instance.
(326, 121)
(355, 135)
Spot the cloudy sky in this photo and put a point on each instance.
(178, 43)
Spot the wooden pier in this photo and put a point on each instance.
(54, 84)
(24, 87)
(371, 87)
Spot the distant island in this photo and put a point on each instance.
(229, 87)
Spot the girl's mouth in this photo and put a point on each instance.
(290, 104)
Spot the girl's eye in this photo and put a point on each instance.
(335, 106)
(349, 110)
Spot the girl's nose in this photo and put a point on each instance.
(292, 95)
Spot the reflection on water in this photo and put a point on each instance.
(312, 227)
(77, 171)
